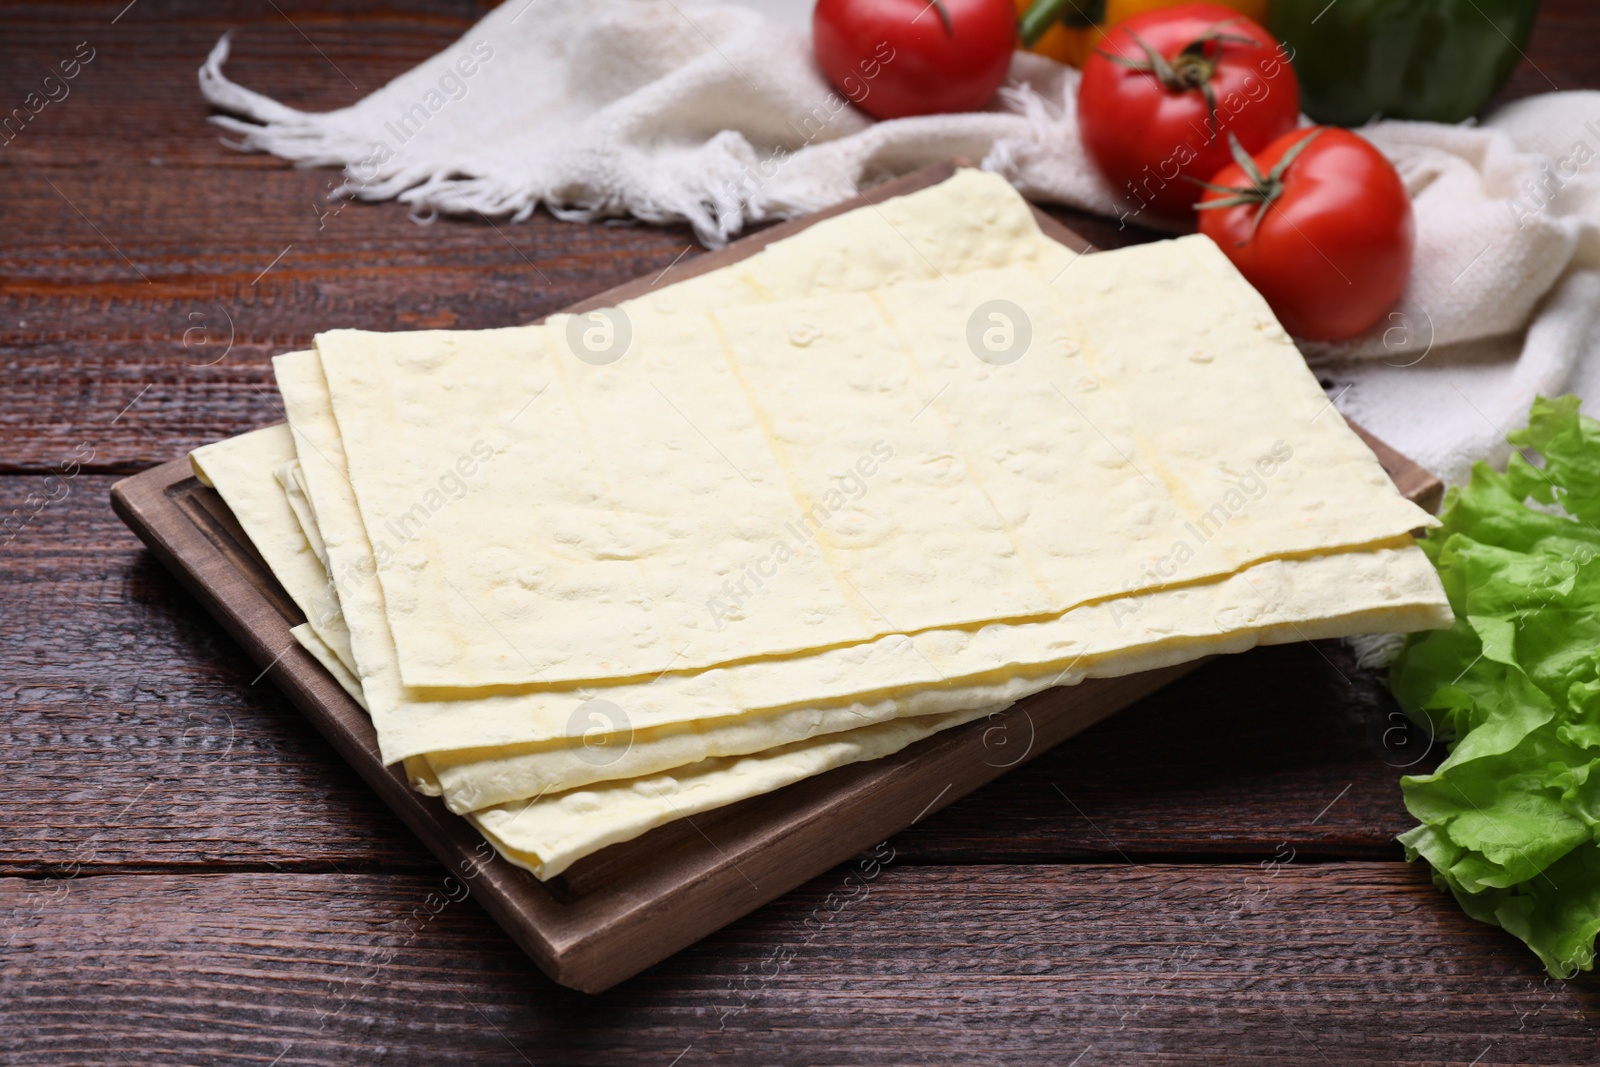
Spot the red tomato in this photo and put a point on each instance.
(1164, 89)
(1322, 229)
(895, 58)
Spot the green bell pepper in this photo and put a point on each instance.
(1437, 60)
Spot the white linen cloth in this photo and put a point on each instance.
(714, 114)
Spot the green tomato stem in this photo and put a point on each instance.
(1263, 190)
(1043, 14)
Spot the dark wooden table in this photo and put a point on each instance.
(189, 874)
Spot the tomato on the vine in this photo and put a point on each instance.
(1321, 224)
(1161, 94)
(894, 58)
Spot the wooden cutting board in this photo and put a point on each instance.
(615, 913)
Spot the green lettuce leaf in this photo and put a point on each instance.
(1510, 822)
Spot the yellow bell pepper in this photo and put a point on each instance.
(1077, 32)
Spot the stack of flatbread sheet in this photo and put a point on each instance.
(882, 478)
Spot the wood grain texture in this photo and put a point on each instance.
(184, 969)
(136, 242)
(1355, 963)
(117, 689)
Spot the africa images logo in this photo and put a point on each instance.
(1247, 488)
(452, 86)
(728, 606)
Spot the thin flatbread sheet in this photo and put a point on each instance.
(1310, 598)
(1379, 590)
(550, 831)
(1098, 458)
(930, 673)
(548, 835)
(308, 639)
(241, 470)
(559, 558)
(294, 490)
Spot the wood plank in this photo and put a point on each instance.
(1245, 754)
(142, 371)
(116, 679)
(92, 350)
(118, 688)
(111, 666)
(1293, 744)
(1289, 964)
(83, 334)
(1560, 54)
